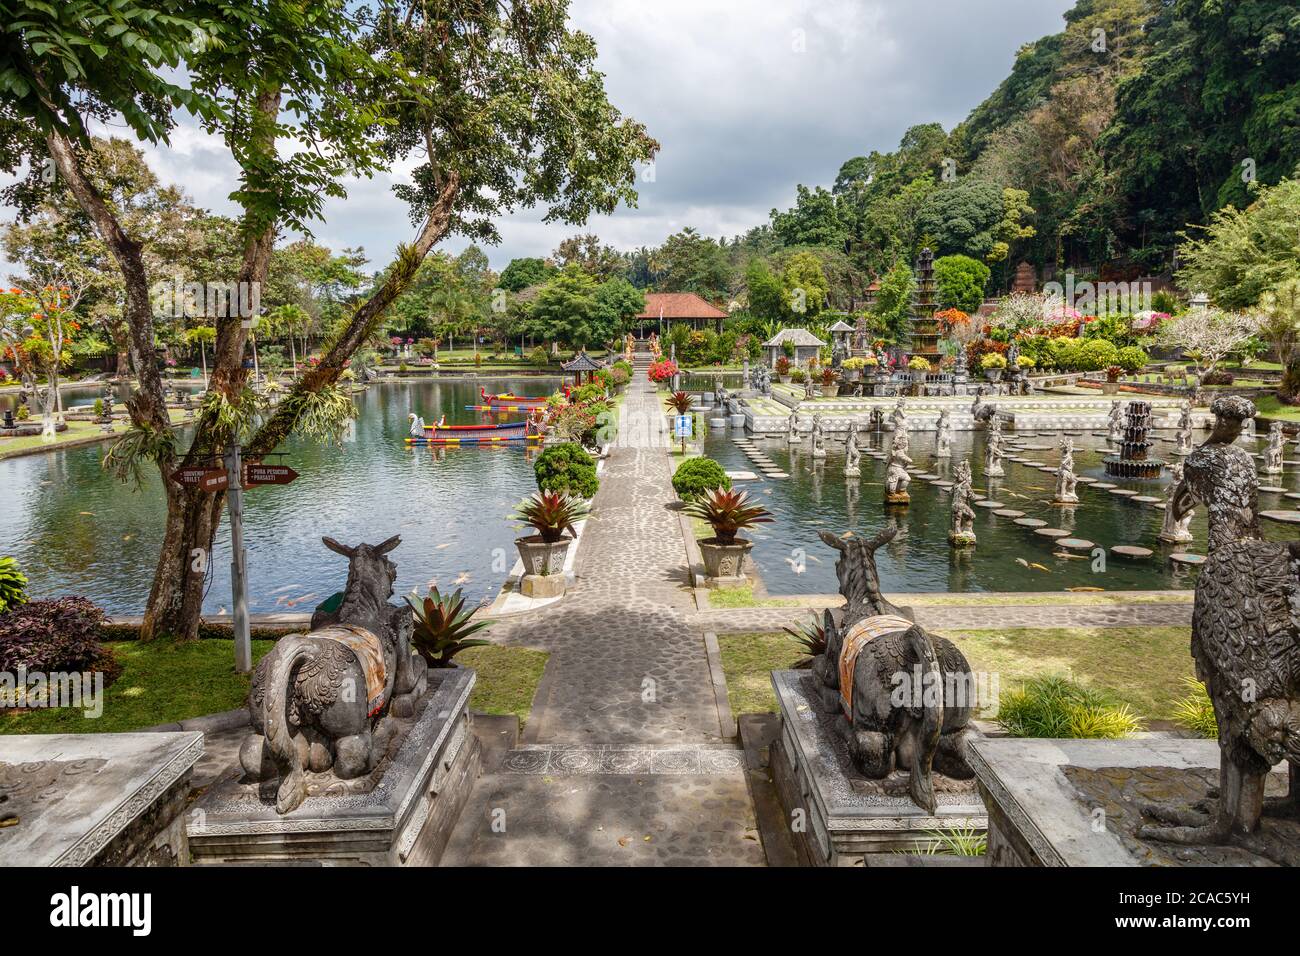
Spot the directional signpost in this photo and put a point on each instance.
(233, 479)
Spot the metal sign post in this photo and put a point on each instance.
(238, 560)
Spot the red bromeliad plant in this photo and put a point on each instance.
(728, 512)
(680, 402)
(550, 514)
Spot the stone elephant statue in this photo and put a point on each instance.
(319, 701)
(902, 696)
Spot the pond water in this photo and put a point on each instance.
(75, 530)
(791, 558)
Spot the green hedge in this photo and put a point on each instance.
(568, 469)
(695, 476)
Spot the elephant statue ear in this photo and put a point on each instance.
(830, 629)
(388, 545)
(832, 540)
(338, 548)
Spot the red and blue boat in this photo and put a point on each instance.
(508, 401)
(443, 434)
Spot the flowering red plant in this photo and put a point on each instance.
(662, 371)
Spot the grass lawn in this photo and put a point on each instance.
(76, 431)
(1142, 667)
(1271, 406)
(159, 684)
(507, 678)
(165, 683)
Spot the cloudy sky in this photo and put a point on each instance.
(747, 98)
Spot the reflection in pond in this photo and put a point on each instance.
(77, 531)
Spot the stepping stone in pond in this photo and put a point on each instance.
(742, 476)
(1009, 513)
(1052, 532)
(1272, 489)
(776, 474)
(945, 485)
(1123, 492)
(1031, 523)
(1285, 517)
(1073, 434)
(1146, 499)
(1131, 551)
(989, 503)
(1184, 558)
(1293, 495)
(1075, 544)
(1104, 485)
(1047, 469)
(1085, 481)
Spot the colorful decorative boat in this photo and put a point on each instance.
(440, 434)
(510, 399)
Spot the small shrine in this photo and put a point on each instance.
(582, 364)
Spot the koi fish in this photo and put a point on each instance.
(1067, 554)
(1076, 590)
(1039, 567)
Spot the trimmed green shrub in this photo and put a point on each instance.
(13, 585)
(1132, 359)
(568, 469)
(695, 476)
(1098, 354)
(1057, 707)
(539, 358)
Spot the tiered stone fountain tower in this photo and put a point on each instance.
(1133, 459)
(925, 328)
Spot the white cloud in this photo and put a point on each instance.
(746, 98)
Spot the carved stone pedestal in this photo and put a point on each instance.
(401, 814)
(839, 817)
(95, 799)
(1075, 802)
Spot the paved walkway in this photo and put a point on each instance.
(967, 616)
(623, 760)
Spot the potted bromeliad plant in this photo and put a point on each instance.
(783, 369)
(830, 383)
(550, 514)
(443, 627)
(726, 512)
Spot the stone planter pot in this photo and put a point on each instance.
(540, 557)
(993, 374)
(1110, 388)
(724, 562)
(783, 379)
(830, 391)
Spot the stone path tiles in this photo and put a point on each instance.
(971, 617)
(626, 710)
(625, 760)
